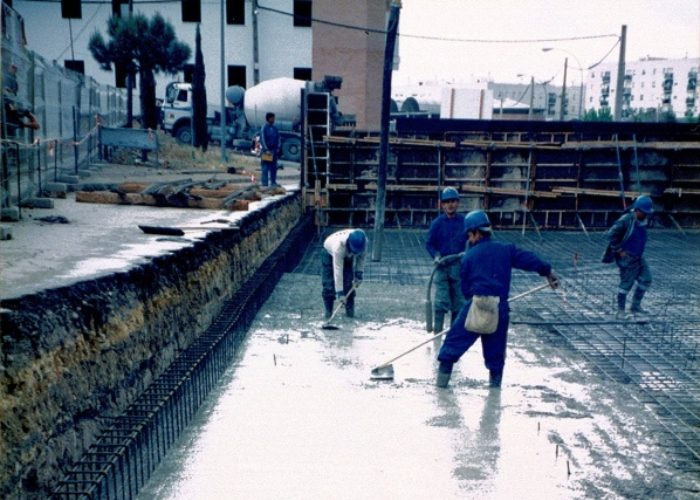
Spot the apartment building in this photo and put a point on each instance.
(653, 88)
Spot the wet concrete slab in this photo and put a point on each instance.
(298, 416)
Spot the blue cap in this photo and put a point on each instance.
(357, 241)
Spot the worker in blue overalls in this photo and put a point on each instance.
(485, 273)
(446, 241)
(627, 239)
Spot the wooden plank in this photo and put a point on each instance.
(515, 192)
(595, 192)
(682, 191)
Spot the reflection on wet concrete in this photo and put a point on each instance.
(298, 416)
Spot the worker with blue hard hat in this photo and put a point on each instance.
(446, 244)
(627, 239)
(485, 273)
(342, 268)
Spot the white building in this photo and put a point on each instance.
(282, 42)
(652, 86)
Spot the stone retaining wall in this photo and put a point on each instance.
(72, 355)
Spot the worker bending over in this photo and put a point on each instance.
(485, 272)
(342, 267)
(446, 240)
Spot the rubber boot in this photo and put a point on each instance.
(636, 307)
(438, 321)
(495, 378)
(444, 374)
(621, 299)
(328, 303)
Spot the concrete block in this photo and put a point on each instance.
(38, 203)
(5, 233)
(9, 214)
(55, 190)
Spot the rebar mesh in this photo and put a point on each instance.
(657, 357)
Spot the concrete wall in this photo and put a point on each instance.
(71, 355)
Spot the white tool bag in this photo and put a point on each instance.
(483, 314)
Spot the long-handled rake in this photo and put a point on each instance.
(327, 325)
(428, 296)
(385, 371)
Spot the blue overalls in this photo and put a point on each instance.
(486, 270)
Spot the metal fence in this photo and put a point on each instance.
(68, 107)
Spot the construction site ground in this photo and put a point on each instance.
(590, 407)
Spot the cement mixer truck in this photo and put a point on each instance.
(246, 112)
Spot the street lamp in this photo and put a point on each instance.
(580, 68)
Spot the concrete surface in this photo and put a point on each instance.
(299, 417)
(100, 239)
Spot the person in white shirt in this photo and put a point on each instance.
(342, 266)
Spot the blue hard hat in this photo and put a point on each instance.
(643, 204)
(476, 219)
(449, 193)
(357, 241)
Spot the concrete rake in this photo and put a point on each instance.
(385, 371)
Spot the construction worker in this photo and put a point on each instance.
(342, 268)
(627, 239)
(270, 145)
(446, 243)
(485, 272)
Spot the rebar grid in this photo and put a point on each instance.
(130, 446)
(657, 357)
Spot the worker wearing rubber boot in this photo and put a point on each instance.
(485, 272)
(446, 241)
(342, 267)
(627, 239)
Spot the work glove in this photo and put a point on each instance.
(437, 260)
(553, 281)
(358, 276)
(340, 296)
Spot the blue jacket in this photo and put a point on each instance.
(628, 234)
(446, 236)
(486, 268)
(270, 138)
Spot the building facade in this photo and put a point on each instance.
(654, 88)
(260, 42)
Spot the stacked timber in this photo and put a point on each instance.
(217, 195)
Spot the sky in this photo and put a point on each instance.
(658, 28)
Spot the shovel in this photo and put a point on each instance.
(385, 371)
(327, 325)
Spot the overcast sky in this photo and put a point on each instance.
(659, 28)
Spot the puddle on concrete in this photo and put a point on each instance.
(299, 417)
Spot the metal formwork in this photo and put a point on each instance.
(130, 445)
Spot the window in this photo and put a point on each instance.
(302, 13)
(235, 12)
(191, 11)
(653, 85)
(188, 72)
(302, 74)
(120, 8)
(641, 97)
(236, 76)
(75, 65)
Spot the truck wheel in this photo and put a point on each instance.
(183, 134)
(291, 149)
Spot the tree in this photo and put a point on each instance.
(199, 98)
(600, 115)
(144, 47)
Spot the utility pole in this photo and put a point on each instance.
(532, 98)
(256, 56)
(392, 28)
(223, 83)
(620, 75)
(562, 104)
